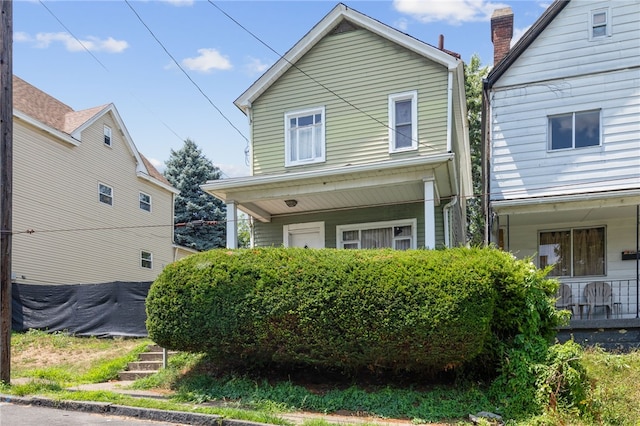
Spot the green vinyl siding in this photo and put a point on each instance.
(270, 234)
(351, 74)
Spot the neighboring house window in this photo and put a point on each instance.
(576, 252)
(145, 201)
(146, 259)
(399, 235)
(600, 25)
(105, 194)
(304, 136)
(574, 130)
(107, 135)
(403, 121)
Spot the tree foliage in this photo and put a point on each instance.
(194, 209)
(474, 74)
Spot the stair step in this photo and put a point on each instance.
(134, 375)
(145, 366)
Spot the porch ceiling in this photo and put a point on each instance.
(350, 187)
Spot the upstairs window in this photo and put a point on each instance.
(600, 26)
(403, 119)
(574, 130)
(107, 135)
(304, 137)
(573, 252)
(145, 202)
(146, 259)
(105, 194)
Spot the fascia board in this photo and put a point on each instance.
(145, 176)
(48, 129)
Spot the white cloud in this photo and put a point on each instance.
(94, 44)
(159, 165)
(179, 3)
(21, 37)
(233, 170)
(207, 60)
(455, 12)
(255, 66)
(402, 24)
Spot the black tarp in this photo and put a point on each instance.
(102, 310)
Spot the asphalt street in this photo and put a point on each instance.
(27, 415)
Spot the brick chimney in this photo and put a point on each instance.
(501, 33)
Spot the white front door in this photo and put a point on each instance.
(307, 235)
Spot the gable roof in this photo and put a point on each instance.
(53, 116)
(525, 41)
(334, 18)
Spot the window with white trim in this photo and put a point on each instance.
(304, 136)
(398, 234)
(574, 252)
(145, 202)
(146, 259)
(403, 121)
(105, 194)
(574, 130)
(600, 25)
(107, 135)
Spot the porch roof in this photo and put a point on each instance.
(350, 186)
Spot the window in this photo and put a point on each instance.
(403, 119)
(105, 194)
(145, 201)
(600, 26)
(573, 252)
(574, 130)
(107, 135)
(146, 259)
(399, 235)
(304, 137)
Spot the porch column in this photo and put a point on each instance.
(429, 215)
(232, 225)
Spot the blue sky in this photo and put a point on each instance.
(90, 53)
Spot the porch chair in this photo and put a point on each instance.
(565, 298)
(598, 293)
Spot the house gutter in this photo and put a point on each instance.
(447, 225)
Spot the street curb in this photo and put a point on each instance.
(107, 408)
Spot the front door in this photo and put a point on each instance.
(307, 235)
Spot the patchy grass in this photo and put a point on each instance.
(53, 362)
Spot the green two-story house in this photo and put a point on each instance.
(359, 139)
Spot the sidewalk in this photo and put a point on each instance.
(123, 387)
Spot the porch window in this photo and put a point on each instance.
(304, 137)
(576, 252)
(574, 130)
(403, 118)
(399, 235)
(146, 259)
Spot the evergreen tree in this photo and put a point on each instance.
(474, 74)
(194, 209)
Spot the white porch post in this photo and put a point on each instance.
(429, 215)
(232, 225)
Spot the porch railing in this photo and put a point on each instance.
(621, 302)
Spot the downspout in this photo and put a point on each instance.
(449, 110)
(484, 155)
(249, 149)
(447, 224)
(638, 261)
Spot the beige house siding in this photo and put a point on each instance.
(271, 234)
(357, 110)
(78, 239)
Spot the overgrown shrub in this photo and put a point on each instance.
(418, 310)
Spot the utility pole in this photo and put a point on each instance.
(6, 184)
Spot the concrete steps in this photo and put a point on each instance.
(148, 363)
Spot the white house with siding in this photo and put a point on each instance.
(562, 148)
(359, 139)
(88, 208)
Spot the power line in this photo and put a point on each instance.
(185, 73)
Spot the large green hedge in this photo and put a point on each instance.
(418, 310)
